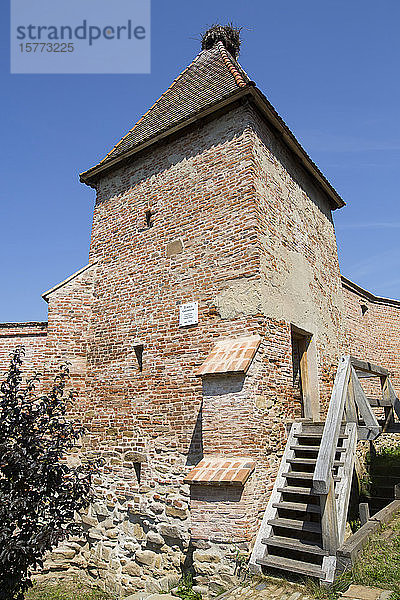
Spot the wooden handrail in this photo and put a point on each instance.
(368, 367)
(326, 455)
(347, 405)
(364, 406)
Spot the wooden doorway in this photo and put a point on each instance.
(303, 393)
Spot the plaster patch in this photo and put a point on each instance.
(242, 297)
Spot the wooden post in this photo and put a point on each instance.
(393, 398)
(389, 417)
(363, 510)
(350, 407)
(329, 525)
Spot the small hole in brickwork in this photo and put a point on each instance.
(149, 218)
(139, 355)
(138, 468)
(364, 308)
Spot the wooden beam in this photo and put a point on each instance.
(364, 375)
(367, 434)
(363, 404)
(393, 398)
(351, 415)
(379, 402)
(368, 367)
(343, 487)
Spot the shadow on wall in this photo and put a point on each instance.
(195, 452)
(219, 385)
(215, 385)
(215, 493)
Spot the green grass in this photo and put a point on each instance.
(378, 566)
(65, 591)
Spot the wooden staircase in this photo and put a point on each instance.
(305, 520)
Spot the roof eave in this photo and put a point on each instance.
(90, 176)
(46, 295)
(290, 140)
(357, 289)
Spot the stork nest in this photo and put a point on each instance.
(227, 34)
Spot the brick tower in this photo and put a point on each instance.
(210, 206)
(207, 320)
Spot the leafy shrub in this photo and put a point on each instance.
(39, 492)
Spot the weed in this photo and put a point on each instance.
(70, 591)
(242, 570)
(185, 589)
(355, 525)
(378, 566)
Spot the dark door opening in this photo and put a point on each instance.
(300, 343)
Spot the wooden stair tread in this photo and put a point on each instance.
(288, 564)
(289, 489)
(293, 544)
(311, 461)
(300, 506)
(302, 475)
(303, 448)
(295, 524)
(312, 434)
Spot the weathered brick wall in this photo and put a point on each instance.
(199, 189)
(300, 278)
(69, 313)
(32, 336)
(222, 215)
(372, 329)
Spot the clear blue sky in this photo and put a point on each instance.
(330, 68)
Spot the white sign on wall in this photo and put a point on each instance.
(188, 314)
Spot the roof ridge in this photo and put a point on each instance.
(230, 63)
(153, 105)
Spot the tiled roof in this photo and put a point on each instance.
(231, 356)
(212, 80)
(221, 471)
(212, 76)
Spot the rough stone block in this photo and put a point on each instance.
(362, 592)
(145, 557)
(155, 538)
